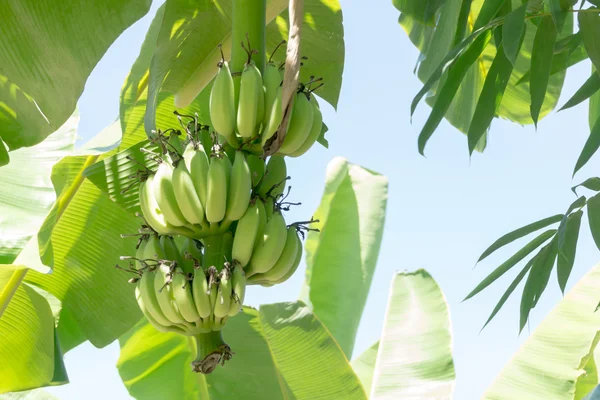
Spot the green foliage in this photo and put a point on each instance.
(351, 215)
(282, 352)
(47, 53)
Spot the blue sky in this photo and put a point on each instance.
(443, 210)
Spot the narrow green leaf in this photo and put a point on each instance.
(594, 108)
(549, 363)
(488, 11)
(541, 64)
(455, 77)
(591, 86)
(415, 357)
(557, 8)
(589, 148)
(351, 215)
(423, 11)
(519, 233)
(490, 97)
(567, 248)
(593, 208)
(589, 24)
(511, 288)
(513, 32)
(463, 21)
(512, 261)
(448, 62)
(590, 183)
(560, 63)
(537, 280)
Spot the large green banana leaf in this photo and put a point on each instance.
(282, 351)
(27, 323)
(436, 41)
(553, 360)
(341, 258)
(186, 51)
(413, 359)
(47, 51)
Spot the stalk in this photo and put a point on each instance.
(249, 17)
(211, 351)
(213, 252)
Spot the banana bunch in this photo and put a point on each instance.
(251, 112)
(195, 194)
(178, 294)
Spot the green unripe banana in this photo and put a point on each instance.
(247, 114)
(223, 295)
(238, 281)
(275, 116)
(269, 249)
(191, 255)
(269, 207)
(164, 294)
(187, 199)
(201, 292)
(315, 130)
(245, 234)
(286, 260)
(140, 253)
(257, 168)
(150, 209)
(196, 163)
(262, 223)
(171, 250)
(216, 199)
(165, 195)
(158, 326)
(272, 81)
(145, 285)
(222, 102)
(300, 124)
(292, 270)
(276, 173)
(240, 188)
(182, 292)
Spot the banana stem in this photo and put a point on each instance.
(211, 350)
(213, 252)
(249, 18)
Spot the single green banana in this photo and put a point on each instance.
(165, 196)
(213, 289)
(216, 199)
(292, 270)
(247, 114)
(275, 116)
(272, 81)
(315, 130)
(158, 326)
(222, 102)
(286, 260)
(171, 250)
(260, 109)
(182, 292)
(139, 254)
(245, 234)
(262, 223)
(150, 210)
(276, 173)
(300, 124)
(240, 189)
(228, 168)
(238, 282)
(269, 207)
(197, 163)
(223, 295)
(187, 199)
(200, 291)
(257, 168)
(164, 294)
(269, 249)
(152, 251)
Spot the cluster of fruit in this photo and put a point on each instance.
(253, 114)
(212, 208)
(178, 293)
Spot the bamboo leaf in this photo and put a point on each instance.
(512, 261)
(519, 233)
(423, 11)
(567, 248)
(557, 8)
(591, 86)
(589, 24)
(513, 32)
(489, 10)
(537, 280)
(541, 64)
(490, 97)
(455, 76)
(590, 183)
(593, 208)
(589, 148)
